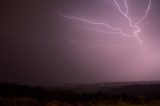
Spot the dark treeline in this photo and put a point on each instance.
(9, 90)
(134, 92)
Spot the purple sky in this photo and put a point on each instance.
(39, 46)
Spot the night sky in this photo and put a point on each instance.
(41, 47)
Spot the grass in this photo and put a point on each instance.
(106, 103)
(18, 102)
(33, 102)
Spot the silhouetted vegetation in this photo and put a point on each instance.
(138, 94)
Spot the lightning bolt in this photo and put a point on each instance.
(116, 29)
(125, 14)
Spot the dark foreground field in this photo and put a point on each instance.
(103, 94)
